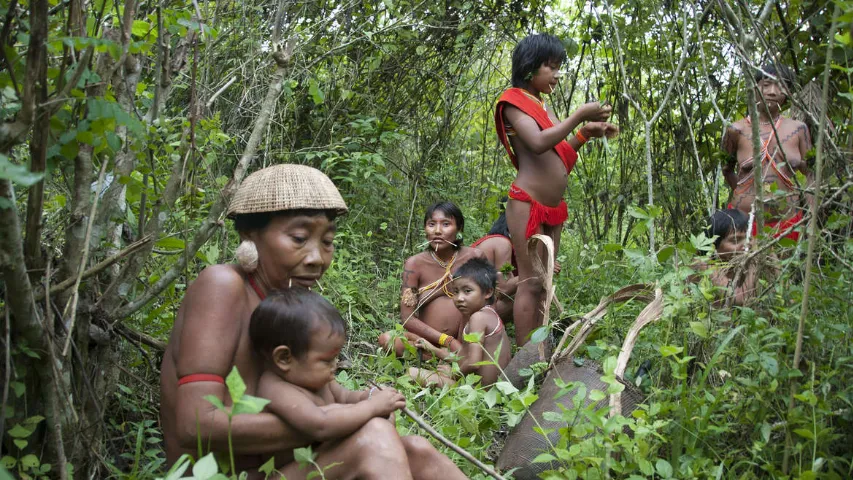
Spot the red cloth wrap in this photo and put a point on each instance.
(539, 214)
(518, 99)
(780, 226)
(200, 377)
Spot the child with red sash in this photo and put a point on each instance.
(536, 143)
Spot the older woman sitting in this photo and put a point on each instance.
(285, 215)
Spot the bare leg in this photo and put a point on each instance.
(429, 378)
(427, 463)
(375, 451)
(528, 297)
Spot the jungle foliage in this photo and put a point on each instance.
(127, 125)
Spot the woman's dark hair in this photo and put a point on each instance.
(449, 209)
(500, 227)
(248, 222)
(481, 272)
(289, 317)
(777, 72)
(531, 53)
(723, 222)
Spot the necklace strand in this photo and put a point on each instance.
(440, 262)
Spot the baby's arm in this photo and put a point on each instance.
(347, 396)
(320, 424)
(472, 353)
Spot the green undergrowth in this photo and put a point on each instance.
(716, 397)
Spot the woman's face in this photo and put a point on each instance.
(545, 79)
(770, 94)
(731, 245)
(441, 231)
(294, 250)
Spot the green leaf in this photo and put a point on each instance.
(236, 386)
(316, 94)
(609, 365)
(665, 253)
(215, 401)
(612, 247)
(268, 467)
(303, 456)
(700, 329)
(544, 458)
(178, 469)
(140, 28)
(804, 433)
(170, 243)
(506, 388)
(18, 173)
(539, 335)
(19, 432)
(21, 444)
(249, 404)
(30, 461)
(491, 397)
(664, 468)
(206, 467)
(670, 350)
(473, 337)
(8, 462)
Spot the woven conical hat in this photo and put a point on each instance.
(286, 187)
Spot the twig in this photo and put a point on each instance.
(97, 268)
(812, 233)
(219, 92)
(72, 304)
(7, 346)
(441, 438)
(152, 342)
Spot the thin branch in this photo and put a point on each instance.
(812, 234)
(219, 92)
(72, 304)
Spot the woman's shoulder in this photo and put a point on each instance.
(219, 280)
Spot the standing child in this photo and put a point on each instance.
(299, 335)
(474, 288)
(536, 141)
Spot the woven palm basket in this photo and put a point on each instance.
(524, 444)
(286, 187)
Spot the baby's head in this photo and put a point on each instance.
(729, 226)
(299, 334)
(474, 284)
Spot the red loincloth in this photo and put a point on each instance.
(539, 214)
(518, 99)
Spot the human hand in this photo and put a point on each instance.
(386, 401)
(557, 267)
(425, 345)
(595, 111)
(599, 129)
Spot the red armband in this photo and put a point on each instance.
(200, 377)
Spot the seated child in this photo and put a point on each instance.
(474, 292)
(729, 228)
(299, 335)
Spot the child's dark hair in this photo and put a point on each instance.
(777, 72)
(450, 209)
(500, 227)
(531, 52)
(289, 317)
(482, 272)
(723, 222)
